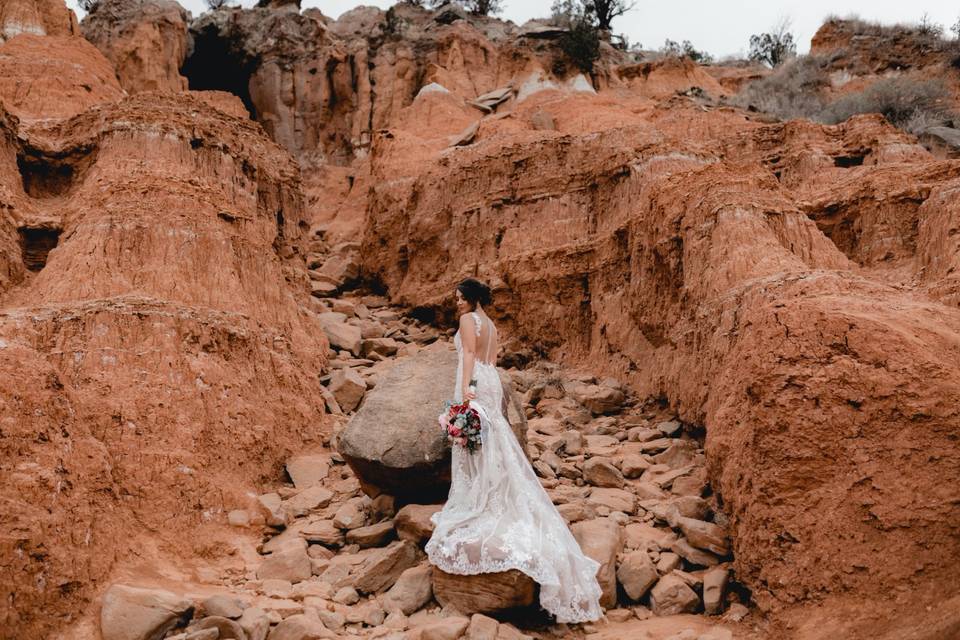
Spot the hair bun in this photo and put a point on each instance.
(475, 291)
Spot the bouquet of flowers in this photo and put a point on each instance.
(461, 424)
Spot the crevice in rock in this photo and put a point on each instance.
(848, 161)
(35, 245)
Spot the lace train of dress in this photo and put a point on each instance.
(498, 517)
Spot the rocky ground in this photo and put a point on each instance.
(336, 562)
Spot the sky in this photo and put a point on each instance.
(719, 28)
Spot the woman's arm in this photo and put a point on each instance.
(468, 340)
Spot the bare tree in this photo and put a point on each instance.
(87, 5)
(217, 4)
(476, 7)
(604, 11)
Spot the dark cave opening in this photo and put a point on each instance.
(35, 246)
(215, 65)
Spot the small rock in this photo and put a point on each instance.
(714, 588)
(227, 629)
(374, 535)
(412, 590)
(671, 596)
(238, 518)
(270, 505)
(134, 613)
(323, 532)
(346, 595)
(693, 555)
(705, 535)
(637, 574)
(308, 470)
(613, 499)
(633, 466)
(315, 497)
(668, 562)
(255, 623)
(602, 539)
(643, 434)
(300, 627)
(483, 593)
(348, 387)
(600, 472)
(736, 612)
(350, 515)
(573, 442)
(444, 629)
(413, 522)
(291, 562)
(223, 606)
(619, 615)
(340, 334)
(482, 628)
(669, 428)
(384, 566)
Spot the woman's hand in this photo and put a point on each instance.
(469, 394)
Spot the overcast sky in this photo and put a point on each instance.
(720, 28)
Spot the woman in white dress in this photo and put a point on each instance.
(497, 516)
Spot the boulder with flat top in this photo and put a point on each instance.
(394, 444)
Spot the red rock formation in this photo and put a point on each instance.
(37, 17)
(714, 263)
(54, 76)
(161, 365)
(146, 40)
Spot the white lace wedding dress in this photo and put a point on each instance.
(498, 516)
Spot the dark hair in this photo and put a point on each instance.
(474, 291)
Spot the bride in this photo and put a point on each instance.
(498, 517)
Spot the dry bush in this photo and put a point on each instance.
(792, 91)
(906, 103)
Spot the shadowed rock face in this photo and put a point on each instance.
(157, 365)
(796, 302)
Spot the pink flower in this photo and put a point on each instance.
(462, 442)
(455, 432)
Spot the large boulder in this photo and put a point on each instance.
(393, 443)
(485, 592)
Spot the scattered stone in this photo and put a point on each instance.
(255, 623)
(705, 535)
(226, 629)
(633, 466)
(346, 595)
(276, 588)
(340, 334)
(736, 612)
(643, 434)
(350, 515)
(270, 504)
(134, 613)
(444, 629)
(714, 589)
(601, 539)
(644, 537)
(315, 497)
(300, 627)
(348, 387)
(412, 590)
(693, 555)
(671, 596)
(619, 615)
(291, 562)
(668, 562)
(384, 566)
(369, 613)
(484, 593)
(224, 606)
(482, 628)
(238, 518)
(323, 532)
(669, 428)
(597, 398)
(637, 574)
(413, 522)
(374, 535)
(600, 472)
(613, 499)
(308, 470)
